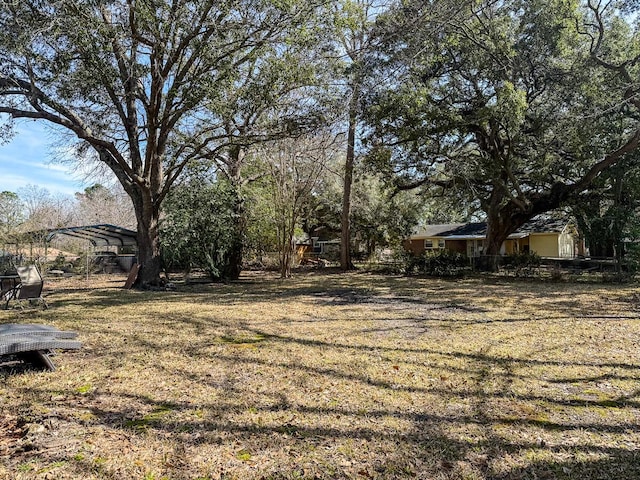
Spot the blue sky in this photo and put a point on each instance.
(26, 159)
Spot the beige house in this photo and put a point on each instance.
(545, 237)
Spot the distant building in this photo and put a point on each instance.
(546, 237)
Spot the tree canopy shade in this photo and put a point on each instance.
(506, 100)
(141, 86)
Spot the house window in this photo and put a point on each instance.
(428, 243)
(441, 243)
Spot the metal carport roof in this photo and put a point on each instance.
(103, 235)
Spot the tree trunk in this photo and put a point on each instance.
(286, 235)
(286, 259)
(345, 237)
(497, 233)
(235, 254)
(618, 222)
(502, 221)
(233, 265)
(371, 248)
(148, 246)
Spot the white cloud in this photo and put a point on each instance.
(27, 160)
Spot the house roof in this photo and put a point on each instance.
(435, 230)
(478, 230)
(467, 230)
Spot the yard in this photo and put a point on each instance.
(331, 376)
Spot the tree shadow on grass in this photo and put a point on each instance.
(420, 428)
(335, 289)
(431, 448)
(617, 464)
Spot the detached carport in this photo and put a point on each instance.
(102, 236)
(118, 244)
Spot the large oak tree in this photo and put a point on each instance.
(519, 103)
(139, 85)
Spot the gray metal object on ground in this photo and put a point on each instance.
(33, 343)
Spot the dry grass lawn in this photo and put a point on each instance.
(326, 376)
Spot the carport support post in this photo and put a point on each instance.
(88, 246)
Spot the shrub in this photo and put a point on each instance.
(6, 263)
(523, 264)
(197, 230)
(618, 277)
(440, 263)
(632, 258)
(59, 263)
